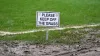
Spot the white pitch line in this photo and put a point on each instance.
(3, 33)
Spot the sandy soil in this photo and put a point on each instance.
(89, 46)
(22, 49)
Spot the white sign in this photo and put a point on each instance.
(47, 19)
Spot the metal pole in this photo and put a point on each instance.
(47, 33)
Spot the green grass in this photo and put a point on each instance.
(67, 36)
(19, 15)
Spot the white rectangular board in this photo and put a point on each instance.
(47, 19)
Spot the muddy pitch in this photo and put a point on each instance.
(89, 46)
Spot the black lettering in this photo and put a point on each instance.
(47, 23)
(42, 23)
(44, 19)
(53, 15)
(51, 23)
(48, 15)
(43, 14)
(52, 19)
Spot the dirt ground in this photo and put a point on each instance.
(89, 46)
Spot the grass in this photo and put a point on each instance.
(67, 36)
(19, 15)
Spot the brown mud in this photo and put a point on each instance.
(89, 46)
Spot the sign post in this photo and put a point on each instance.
(47, 34)
(47, 19)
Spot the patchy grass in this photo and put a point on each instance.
(67, 36)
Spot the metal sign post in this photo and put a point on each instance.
(47, 19)
(47, 34)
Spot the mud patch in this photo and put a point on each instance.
(88, 46)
